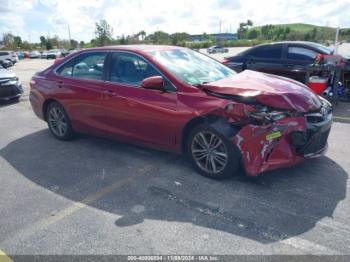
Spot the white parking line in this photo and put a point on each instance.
(46, 222)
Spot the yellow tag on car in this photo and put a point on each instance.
(273, 135)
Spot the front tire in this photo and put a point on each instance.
(211, 153)
(59, 122)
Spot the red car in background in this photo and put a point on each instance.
(179, 100)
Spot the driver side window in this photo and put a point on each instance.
(130, 69)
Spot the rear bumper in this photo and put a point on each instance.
(297, 140)
(37, 102)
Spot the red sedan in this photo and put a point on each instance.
(179, 100)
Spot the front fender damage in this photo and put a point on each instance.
(262, 146)
(268, 146)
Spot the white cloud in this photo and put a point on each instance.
(130, 16)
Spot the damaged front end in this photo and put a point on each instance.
(269, 138)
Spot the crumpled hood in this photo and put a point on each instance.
(270, 90)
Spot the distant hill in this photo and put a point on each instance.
(300, 27)
(298, 31)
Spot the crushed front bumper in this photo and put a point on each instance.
(283, 143)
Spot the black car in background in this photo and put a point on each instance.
(288, 59)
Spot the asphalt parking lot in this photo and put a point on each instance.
(97, 196)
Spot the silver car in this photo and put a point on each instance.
(217, 49)
(10, 86)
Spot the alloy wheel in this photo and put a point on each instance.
(209, 152)
(57, 121)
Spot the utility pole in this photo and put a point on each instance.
(69, 36)
(336, 44)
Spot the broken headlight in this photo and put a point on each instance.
(264, 114)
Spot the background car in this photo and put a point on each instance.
(288, 59)
(34, 54)
(10, 87)
(9, 55)
(6, 63)
(43, 54)
(217, 49)
(64, 52)
(179, 100)
(53, 54)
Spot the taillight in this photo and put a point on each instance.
(32, 83)
(225, 62)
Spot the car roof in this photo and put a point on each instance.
(304, 43)
(136, 48)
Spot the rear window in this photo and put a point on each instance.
(267, 51)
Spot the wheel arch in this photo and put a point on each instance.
(219, 123)
(46, 105)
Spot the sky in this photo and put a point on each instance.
(32, 18)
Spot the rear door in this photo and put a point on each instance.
(267, 59)
(81, 88)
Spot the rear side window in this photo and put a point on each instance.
(85, 66)
(301, 53)
(268, 51)
(4, 53)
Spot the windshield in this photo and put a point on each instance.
(192, 67)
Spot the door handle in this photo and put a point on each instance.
(60, 84)
(288, 65)
(110, 93)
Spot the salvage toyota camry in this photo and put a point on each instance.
(179, 100)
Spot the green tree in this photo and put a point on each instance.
(103, 33)
(177, 38)
(253, 34)
(42, 41)
(48, 44)
(206, 37)
(313, 34)
(73, 43)
(123, 40)
(142, 34)
(159, 37)
(8, 39)
(243, 29)
(17, 40)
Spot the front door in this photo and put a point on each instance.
(139, 114)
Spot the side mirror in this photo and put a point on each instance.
(153, 82)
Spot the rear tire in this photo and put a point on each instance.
(59, 122)
(212, 154)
